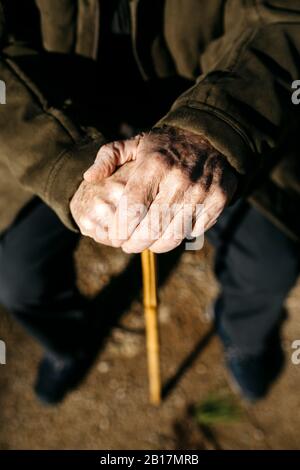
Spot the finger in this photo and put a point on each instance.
(181, 225)
(213, 199)
(213, 205)
(162, 211)
(109, 157)
(103, 217)
(86, 226)
(202, 206)
(173, 235)
(150, 229)
(97, 223)
(140, 191)
(93, 229)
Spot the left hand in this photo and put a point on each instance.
(170, 169)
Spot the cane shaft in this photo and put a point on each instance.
(151, 319)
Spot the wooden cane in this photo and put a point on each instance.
(151, 319)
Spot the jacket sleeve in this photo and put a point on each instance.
(39, 144)
(242, 101)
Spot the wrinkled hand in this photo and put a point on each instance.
(174, 184)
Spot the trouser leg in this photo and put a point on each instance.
(37, 279)
(256, 265)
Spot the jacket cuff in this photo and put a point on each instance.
(67, 175)
(219, 129)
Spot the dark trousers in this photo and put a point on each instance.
(37, 279)
(256, 266)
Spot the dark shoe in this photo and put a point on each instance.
(252, 374)
(56, 377)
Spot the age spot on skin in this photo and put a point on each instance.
(188, 153)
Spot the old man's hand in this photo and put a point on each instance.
(153, 191)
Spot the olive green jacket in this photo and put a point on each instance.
(242, 54)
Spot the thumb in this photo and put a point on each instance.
(109, 157)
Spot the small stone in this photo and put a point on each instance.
(125, 343)
(164, 314)
(103, 367)
(258, 435)
(118, 334)
(120, 394)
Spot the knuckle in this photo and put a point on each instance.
(127, 248)
(106, 151)
(116, 243)
(86, 224)
(106, 147)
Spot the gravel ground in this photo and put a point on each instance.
(110, 410)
